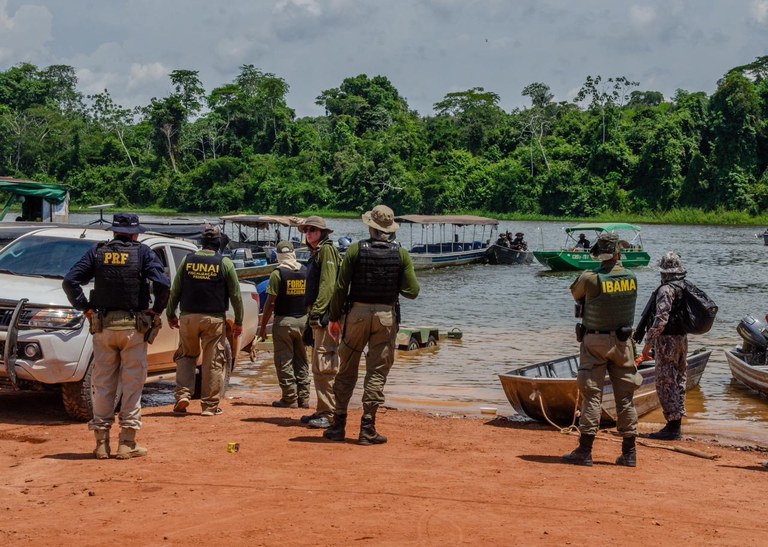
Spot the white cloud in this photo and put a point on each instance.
(24, 34)
(144, 74)
(642, 15)
(311, 7)
(759, 11)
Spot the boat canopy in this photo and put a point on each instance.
(262, 222)
(456, 220)
(603, 227)
(52, 193)
(40, 201)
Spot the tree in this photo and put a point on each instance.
(112, 117)
(605, 96)
(476, 114)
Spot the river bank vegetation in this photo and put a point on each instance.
(615, 150)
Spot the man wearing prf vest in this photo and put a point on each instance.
(606, 303)
(204, 286)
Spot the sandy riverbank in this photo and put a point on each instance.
(438, 481)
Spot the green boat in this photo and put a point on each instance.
(575, 255)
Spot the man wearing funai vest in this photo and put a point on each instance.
(373, 274)
(204, 286)
(120, 318)
(606, 303)
(285, 296)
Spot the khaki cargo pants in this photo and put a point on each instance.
(119, 358)
(373, 325)
(601, 353)
(196, 330)
(325, 365)
(291, 358)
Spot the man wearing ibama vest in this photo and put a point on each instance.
(608, 297)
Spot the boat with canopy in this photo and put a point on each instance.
(447, 240)
(572, 256)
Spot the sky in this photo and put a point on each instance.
(427, 48)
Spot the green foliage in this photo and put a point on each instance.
(615, 152)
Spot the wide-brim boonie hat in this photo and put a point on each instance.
(670, 263)
(126, 223)
(606, 246)
(316, 222)
(381, 218)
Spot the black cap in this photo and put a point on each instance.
(126, 223)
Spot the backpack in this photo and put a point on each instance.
(697, 310)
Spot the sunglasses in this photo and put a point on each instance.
(312, 229)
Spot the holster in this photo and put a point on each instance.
(143, 323)
(151, 334)
(623, 333)
(580, 331)
(97, 322)
(307, 337)
(398, 316)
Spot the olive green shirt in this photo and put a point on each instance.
(233, 285)
(329, 260)
(409, 285)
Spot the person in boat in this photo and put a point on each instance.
(203, 288)
(373, 274)
(285, 297)
(583, 242)
(667, 338)
(120, 317)
(607, 299)
(519, 243)
(503, 240)
(322, 270)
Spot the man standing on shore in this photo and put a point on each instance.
(204, 286)
(607, 298)
(118, 310)
(373, 274)
(322, 271)
(285, 296)
(667, 337)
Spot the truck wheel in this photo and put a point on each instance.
(76, 397)
(229, 365)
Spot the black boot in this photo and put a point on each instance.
(628, 456)
(670, 432)
(337, 431)
(583, 454)
(368, 433)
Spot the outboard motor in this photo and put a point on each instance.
(344, 243)
(754, 335)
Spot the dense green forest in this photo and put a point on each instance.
(241, 148)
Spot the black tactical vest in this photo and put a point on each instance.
(614, 307)
(203, 286)
(117, 283)
(376, 277)
(293, 288)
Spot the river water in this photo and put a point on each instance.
(517, 315)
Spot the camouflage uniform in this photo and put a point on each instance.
(670, 353)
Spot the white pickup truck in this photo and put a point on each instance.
(44, 341)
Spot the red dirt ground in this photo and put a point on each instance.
(438, 481)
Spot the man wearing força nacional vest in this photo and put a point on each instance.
(373, 274)
(119, 314)
(204, 286)
(606, 303)
(285, 296)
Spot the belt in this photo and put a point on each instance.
(592, 331)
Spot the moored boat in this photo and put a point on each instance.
(448, 240)
(261, 233)
(548, 389)
(748, 362)
(575, 257)
(497, 254)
